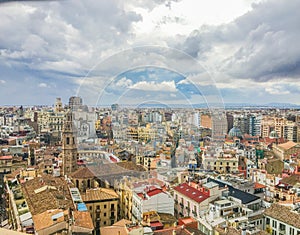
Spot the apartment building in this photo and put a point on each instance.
(285, 150)
(102, 203)
(6, 164)
(192, 199)
(151, 198)
(281, 220)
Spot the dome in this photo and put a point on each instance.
(235, 132)
(273, 135)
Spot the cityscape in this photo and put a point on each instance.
(73, 169)
(170, 117)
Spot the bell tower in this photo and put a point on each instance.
(69, 145)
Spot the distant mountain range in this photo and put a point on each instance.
(268, 105)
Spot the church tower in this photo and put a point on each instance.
(69, 145)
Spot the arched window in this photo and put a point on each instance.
(77, 183)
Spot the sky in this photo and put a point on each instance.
(138, 51)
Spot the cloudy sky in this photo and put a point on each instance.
(135, 51)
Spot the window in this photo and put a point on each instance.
(105, 214)
(90, 208)
(98, 207)
(281, 227)
(68, 140)
(104, 206)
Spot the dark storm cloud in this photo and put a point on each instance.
(265, 42)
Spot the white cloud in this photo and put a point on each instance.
(2, 81)
(124, 82)
(153, 86)
(184, 81)
(277, 90)
(43, 85)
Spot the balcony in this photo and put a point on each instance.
(194, 213)
(181, 204)
(98, 210)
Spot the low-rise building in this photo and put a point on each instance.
(102, 203)
(151, 198)
(6, 164)
(285, 150)
(193, 200)
(282, 220)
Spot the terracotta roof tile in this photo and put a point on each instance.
(83, 219)
(291, 180)
(287, 145)
(47, 193)
(83, 173)
(44, 220)
(258, 185)
(180, 230)
(99, 194)
(191, 192)
(284, 214)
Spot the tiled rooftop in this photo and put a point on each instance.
(111, 169)
(179, 230)
(46, 193)
(46, 219)
(83, 219)
(287, 145)
(291, 180)
(191, 192)
(83, 173)
(284, 214)
(99, 194)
